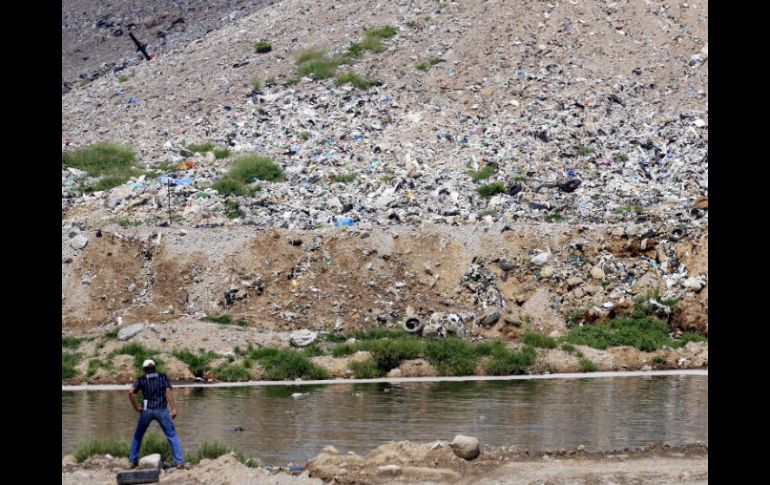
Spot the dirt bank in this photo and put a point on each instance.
(406, 462)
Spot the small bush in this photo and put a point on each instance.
(223, 319)
(114, 163)
(365, 369)
(583, 151)
(68, 362)
(692, 337)
(355, 50)
(382, 32)
(201, 147)
(411, 24)
(140, 354)
(353, 79)
(587, 366)
(285, 364)
(320, 68)
(96, 364)
(388, 353)
(554, 217)
(424, 66)
(452, 356)
(538, 340)
(71, 342)
(256, 85)
(123, 78)
(196, 363)
(228, 186)
(312, 351)
(248, 167)
(263, 46)
(116, 446)
(620, 158)
(491, 189)
(659, 359)
(112, 334)
(310, 55)
(220, 153)
(344, 178)
(510, 362)
(208, 451)
(232, 373)
(568, 348)
(484, 173)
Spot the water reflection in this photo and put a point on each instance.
(281, 426)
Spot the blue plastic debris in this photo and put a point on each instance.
(521, 73)
(645, 162)
(358, 137)
(571, 172)
(132, 100)
(345, 221)
(296, 468)
(184, 181)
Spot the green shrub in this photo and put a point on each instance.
(583, 151)
(71, 342)
(312, 351)
(113, 163)
(452, 356)
(365, 369)
(223, 319)
(68, 362)
(484, 173)
(248, 167)
(263, 46)
(424, 66)
(353, 79)
(510, 362)
(122, 78)
(140, 354)
(287, 364)
(568, 348)
(587, 366)
(196, 363)
(692, 337)
(323, 68)
(355, 50)
(228, 186)
(201, 147)
(659, 359)
(116, 446)
(256, 85)
(232, 373)
(388, 353)
(538, 340)
(620, 158)
(491, 189)
(554, 217)
(344, 178)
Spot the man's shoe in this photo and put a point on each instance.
(182, 466)
(133, 464)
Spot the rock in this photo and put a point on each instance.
(69, 460)
(330, 449)
(574, 281)
(702, 203)
(303, 338)
(547, 272)
(506, 265)
(569, 185)
(513, 320)
(130, 331)
(646, 368)
(416, 368)
(489, 317)
(150, 461)
(694, 284)
(394, 372)
(79, 242)
(388, 471)
(540, 259)
(466, 447)
(597, 273)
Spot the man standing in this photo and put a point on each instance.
(157, 393)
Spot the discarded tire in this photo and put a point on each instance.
(413, 325)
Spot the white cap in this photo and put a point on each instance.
(147, 363)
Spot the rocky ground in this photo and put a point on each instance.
(592, 115)
(435, 463)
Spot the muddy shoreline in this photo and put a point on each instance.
(407, 462)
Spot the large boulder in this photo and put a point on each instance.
(128, 332)
(303, 338)
(150, 461)
(466, 447)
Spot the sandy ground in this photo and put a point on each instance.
(434, 463)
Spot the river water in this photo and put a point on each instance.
(281, 426)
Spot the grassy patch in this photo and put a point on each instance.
(554, 217)
(224, 319)
(538, 340)
(354, 79)
(371, 334)
(659, 359)
(116, 446)
(312, 351)
(263, 46)
(568, 348)
(140, 354)
(452, 356)
(386, 178)
(509, 362)
(425, 65)
(411, 24)
(344, 178)
(232, 373)
(256, 85)
(520, 178)
(114, 163)
(71, 342)
(122, 78)
(373, 38)
(491, 189)
(232, 209)
(68, 362)
(692, 337)
(584, 151)
(365, 369)
(201, 147)
(620, 158)
(488, 212)
(484, 173)
(195, 362)
(248, 167)
(112, 334)
(96, 364)
(220, 153)
(228, 186)
(287, 364)
(587, 366)
(386, 352)
(315, 63)
(355, 50)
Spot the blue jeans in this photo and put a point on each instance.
(163, 417)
